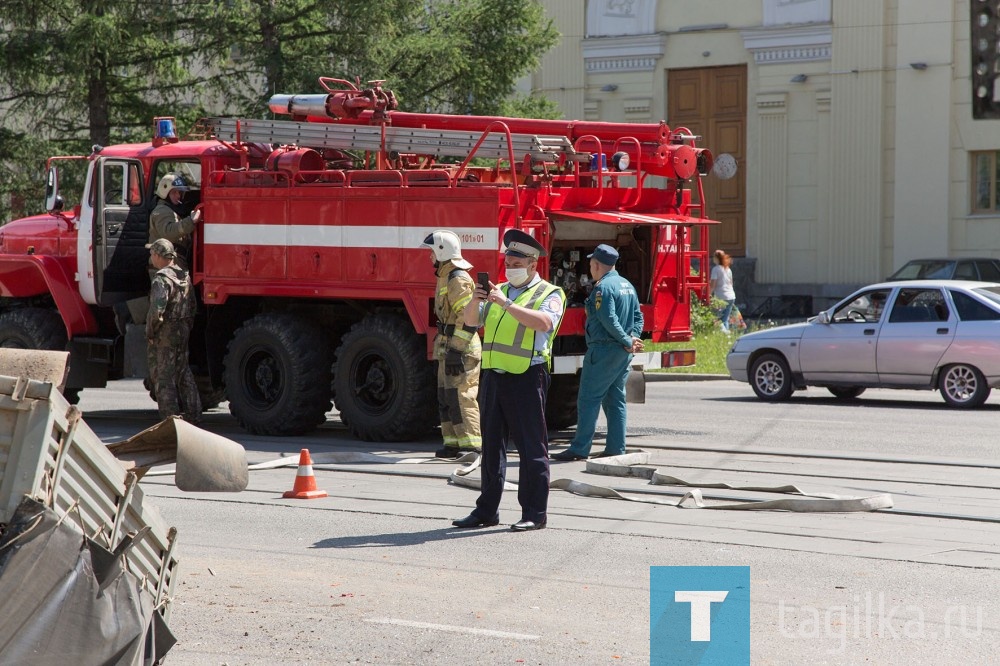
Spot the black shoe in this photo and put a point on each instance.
(606, 454)
(472, 520)
(527, 525)
(566, 456)
(448, 452)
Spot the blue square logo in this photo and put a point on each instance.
(699, 616)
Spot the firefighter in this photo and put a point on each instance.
(520, 318)
(166, 222)
(614, 327)
(456, 347)
(168, 328)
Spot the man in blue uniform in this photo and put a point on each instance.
(614, 324)
(520, 318)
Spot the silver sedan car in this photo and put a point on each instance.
(926, 334)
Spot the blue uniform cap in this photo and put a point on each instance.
(605, 254)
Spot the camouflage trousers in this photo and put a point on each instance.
(167, 355)
(458, 405)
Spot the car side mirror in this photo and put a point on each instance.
(823, 317)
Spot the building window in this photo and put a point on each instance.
(985, 183)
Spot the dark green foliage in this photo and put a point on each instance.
(78, 72)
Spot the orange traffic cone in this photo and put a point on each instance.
(305, 481)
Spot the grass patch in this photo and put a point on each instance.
(710, 343)
(710, 348)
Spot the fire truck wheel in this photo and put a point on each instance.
(35, 328)
(383, 383)
(277, 374)
(32, 328)
(560, 407)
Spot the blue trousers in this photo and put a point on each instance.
(512, 407)
(725, 313)
(602, 385)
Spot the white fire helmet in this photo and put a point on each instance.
(446, 247)
(171, 181)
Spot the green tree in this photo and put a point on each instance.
(79, 72)
(462, 56)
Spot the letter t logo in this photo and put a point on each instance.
(701, 605)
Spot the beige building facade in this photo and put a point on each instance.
(851, 122)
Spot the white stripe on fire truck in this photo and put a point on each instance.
(314, 235)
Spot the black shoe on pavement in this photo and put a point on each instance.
(448, 452)
(527, 525)
(608, 454)
(566, 456)
(472, 520)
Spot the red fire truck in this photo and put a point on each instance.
(311, 280)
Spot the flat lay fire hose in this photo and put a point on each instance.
(630, 464)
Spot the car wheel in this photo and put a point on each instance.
(846, 392)
(963, 386)
(770, 377)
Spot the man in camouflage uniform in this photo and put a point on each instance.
(168, 327)
(456, 347)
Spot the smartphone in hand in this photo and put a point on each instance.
(484, 281)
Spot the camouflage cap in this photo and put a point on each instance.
(163, 248)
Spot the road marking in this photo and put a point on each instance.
(453, 628)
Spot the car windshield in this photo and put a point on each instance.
(926, 269)
(992, 293)
(865, 307)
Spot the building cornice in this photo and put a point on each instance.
(631, 53)
(787, 44)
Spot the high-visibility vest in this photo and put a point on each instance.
(509, 345)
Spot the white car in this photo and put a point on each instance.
(917, 334)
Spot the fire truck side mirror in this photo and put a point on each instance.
(53, 202)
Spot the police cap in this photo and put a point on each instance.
(520, 244)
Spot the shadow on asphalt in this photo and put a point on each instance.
(864, 402)
(406, 538)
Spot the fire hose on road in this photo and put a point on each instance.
(631, 464)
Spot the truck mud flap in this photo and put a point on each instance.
(63, 596)
(206, 462)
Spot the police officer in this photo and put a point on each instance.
(456, 347)
(166, 220)
(168, 328)
(614, 324)
(520, 318)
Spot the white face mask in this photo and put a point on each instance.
(517, 276)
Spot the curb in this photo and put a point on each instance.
(682, 377)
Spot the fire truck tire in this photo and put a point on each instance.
(560, 406)
(384, 387)
(277, 375)
(35, 328)
(32, 328)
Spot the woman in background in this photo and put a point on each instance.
(721, 286)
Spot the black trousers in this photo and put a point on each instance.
(512, 407)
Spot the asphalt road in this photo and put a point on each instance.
(374, 573)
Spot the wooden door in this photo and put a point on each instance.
(712, 103)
